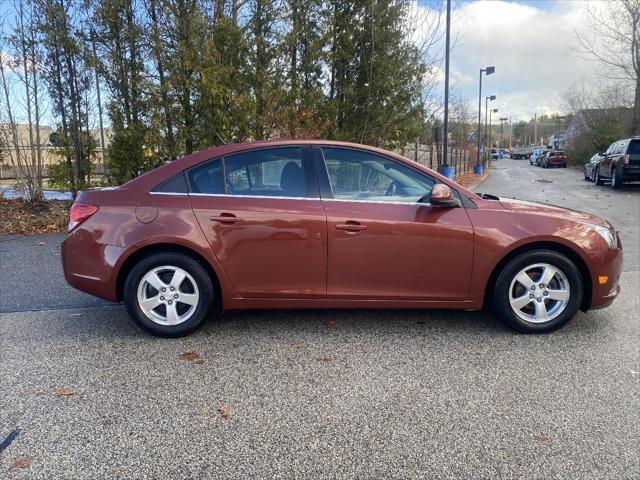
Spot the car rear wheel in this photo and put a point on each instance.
(616, 179)
(538, 292)
(169, 294)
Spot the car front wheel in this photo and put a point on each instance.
(538, 292)
(596, 177)
(169, 294)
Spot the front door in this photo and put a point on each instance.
(383, 244)
(263, 218)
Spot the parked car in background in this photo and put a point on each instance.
(620, 163)
(537, 158)
(591, 166)
(554, 158)
(320, 224)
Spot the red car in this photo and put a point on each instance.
(555, 158)
(318, 224)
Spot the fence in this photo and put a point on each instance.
(8, 172)
(431, 156)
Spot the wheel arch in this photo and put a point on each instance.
(568, 252)
(156, 248)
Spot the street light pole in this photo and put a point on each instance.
(495, 110)
(488, 99)
(488, 71)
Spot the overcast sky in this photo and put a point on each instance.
(532, 45)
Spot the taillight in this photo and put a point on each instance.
(79, 213)
(626, 159)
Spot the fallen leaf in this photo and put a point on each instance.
(30, 391)
(324, 359)
(542, 439)
(298, 344)
(22, 462)
(189, 356)
(65, 392)
(224, 410)
(330, 323)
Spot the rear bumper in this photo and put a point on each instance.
(89, 266)
(631, 174)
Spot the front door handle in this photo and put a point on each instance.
(225, 219)
(351, 226)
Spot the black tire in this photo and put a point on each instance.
(501, 291)
(206, 301)
(616, 179)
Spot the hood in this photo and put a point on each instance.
(551, 210)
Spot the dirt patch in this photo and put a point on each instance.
(467, 179)
(23, 218)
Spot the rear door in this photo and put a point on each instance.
(261, 213)
(383, 244)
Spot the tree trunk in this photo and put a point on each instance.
(157, 50)
(635, 123)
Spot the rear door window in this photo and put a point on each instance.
(206, 178)
(274, 172)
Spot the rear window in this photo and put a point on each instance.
(634, 147)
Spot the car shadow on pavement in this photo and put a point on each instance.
(112, 323)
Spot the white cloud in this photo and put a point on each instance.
(532, 46)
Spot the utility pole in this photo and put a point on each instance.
(445, 142)
(502, 120)
(510, 128)
(535, 129)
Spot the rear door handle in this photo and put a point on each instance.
(225, 219)
(351, 226)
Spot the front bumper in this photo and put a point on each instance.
(90, 266)
(610, 266)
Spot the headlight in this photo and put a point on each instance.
(607, 234)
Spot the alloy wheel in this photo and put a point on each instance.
(539, 293)
(168, 295)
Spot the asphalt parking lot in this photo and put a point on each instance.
(323, 394)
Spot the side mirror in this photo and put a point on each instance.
(442, 196)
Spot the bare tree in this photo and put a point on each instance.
(21, 63)
(613, 41)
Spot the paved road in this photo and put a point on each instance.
(31, 275)
(327, 394)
